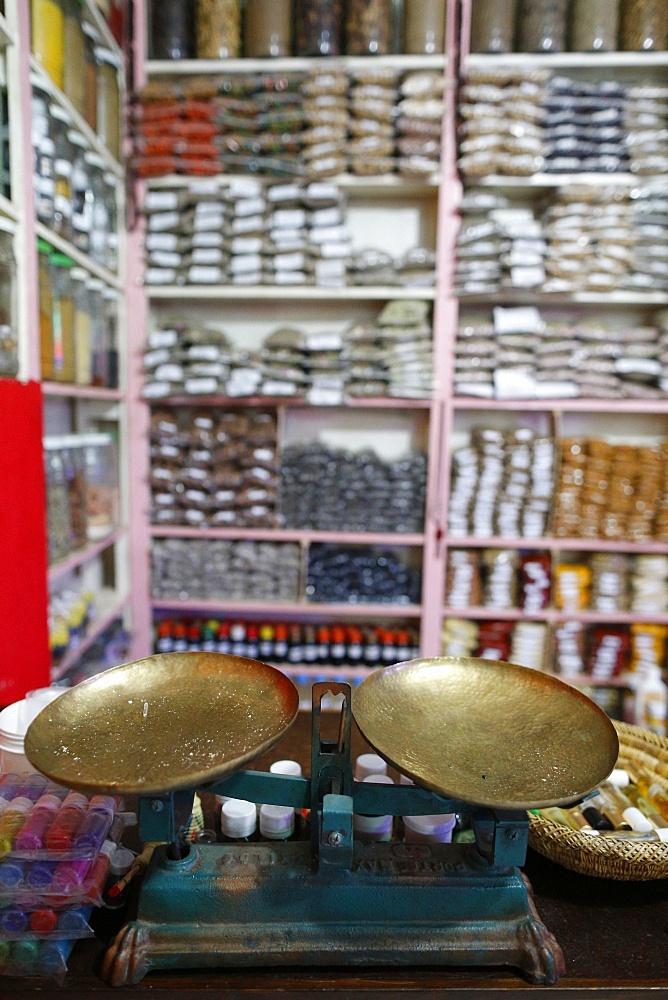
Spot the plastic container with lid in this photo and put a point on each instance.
(268, 28)
(277, 822)
(101, 478)
(493, 26)
(171, 32)
(369, 829)
(319, 27)
(542, 25)
(429, 829)
(108, 100)
(424, 26)
(238, 820)
(594, 25)
(368, 27)
(218, 29)
(47, 25)
(643, 25)
(74, 68)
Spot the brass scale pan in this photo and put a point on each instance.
(481, 731)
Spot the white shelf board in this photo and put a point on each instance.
(283, 292)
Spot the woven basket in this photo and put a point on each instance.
(601, 857)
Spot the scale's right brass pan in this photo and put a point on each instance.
(486, 732)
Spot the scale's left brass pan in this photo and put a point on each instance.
(170, 721)
(486, 732)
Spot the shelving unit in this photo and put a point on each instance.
(446, 419)
(66, 407)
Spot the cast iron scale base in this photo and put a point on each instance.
(330, 900)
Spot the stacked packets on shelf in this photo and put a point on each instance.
(56, 847)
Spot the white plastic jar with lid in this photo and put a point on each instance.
(238, 820)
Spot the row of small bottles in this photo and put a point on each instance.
(245, 821)
(290, 642)
(629, 805)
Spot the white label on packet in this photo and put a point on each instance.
(162, 338)
(522, 319)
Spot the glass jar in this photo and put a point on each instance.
(99, 217)
(62, 172)
(368, 27)
(110, 299)
(82, 326)
(109, 186)
(643, 25)
(45, 296)
(542, 25)
(218, 29)
(594, 25)
(268, 28)
(82, 194)
(75, 479)
(57, 502)
(9, 360)
(108, 100)
(5, 160)
(171, 29)
(492, 26)
(47, 27)
(424, 26)
(101, 478)
(74, 41)
(91, 43)
(63, 317)
(97, 333)
(318, 27)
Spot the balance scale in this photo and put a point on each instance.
(488, 738)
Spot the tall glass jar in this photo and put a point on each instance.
(99, 230)
(542, 25)
(74, 68)
(63, 318)
(82, 326)
(110, 299)
(318, 27)
(643, 25)
(75, 478)
(493, 26)
(101, 478)
(47, 25)
(109, 189)
(218, 29)
(594, 25)
(268, 28)
(9, 361)
(97, 334)
(62, 172)
(171, 29)
(57, 502)
(108, 100)
(91, 43)
(368, 27)
(45, 296)
(82, 194)
(424, 26)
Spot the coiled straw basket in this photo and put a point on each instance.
(602, 857)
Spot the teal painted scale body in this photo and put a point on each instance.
(333, 900)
